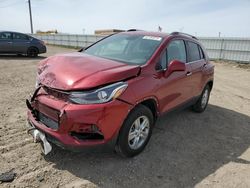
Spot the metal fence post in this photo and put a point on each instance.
(68, 40)
(221, 49)
(77, 41)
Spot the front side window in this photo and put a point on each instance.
(126, 48)
(194, 51)
(176, 51)
(5, 36)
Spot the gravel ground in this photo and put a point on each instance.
(211, 149)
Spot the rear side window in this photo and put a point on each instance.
(5, 36)
(18, 36)
(176, 51)
(194, 51)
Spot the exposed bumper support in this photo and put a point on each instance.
(40, 137)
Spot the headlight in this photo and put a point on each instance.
(37, 82)
(98, 96)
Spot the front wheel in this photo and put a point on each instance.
(135, 132)
(201, 104)
(32, 52)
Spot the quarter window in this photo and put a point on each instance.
(194, 51)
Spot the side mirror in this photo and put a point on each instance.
(158, 67)
(176, 65)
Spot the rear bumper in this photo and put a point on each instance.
(108, 118)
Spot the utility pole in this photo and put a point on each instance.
(31, 23)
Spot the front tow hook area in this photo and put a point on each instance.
(40, 137)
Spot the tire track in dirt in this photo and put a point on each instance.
(13, 145)
(28, 164)
(18, 135)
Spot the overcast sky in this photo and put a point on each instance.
(198, 17)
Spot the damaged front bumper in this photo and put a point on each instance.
(74, 126)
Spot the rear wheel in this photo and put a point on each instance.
(32, 52)
(135, 132)
(201, 104)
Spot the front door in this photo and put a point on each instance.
(175, 88)
(5, 42)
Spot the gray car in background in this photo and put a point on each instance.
(19, 43)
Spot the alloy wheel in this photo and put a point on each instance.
(138, 132)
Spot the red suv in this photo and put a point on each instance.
(114, 90)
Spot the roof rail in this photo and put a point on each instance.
(133, 30)
(180, 33)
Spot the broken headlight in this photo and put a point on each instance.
(101, 95)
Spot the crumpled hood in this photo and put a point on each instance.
(77, 70)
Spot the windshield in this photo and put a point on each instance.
(126, 48)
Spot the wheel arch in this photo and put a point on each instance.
(152, 104)
(210, 83)
(32, 47)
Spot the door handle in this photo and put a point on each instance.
(10, 42)
(189, 74)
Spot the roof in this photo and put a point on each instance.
(151, 33)
(14, 32)
(160, 34)
(107, 31)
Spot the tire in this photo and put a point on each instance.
(32, 52)
(201, 104)
(138, 124)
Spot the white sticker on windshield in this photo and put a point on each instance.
(152, 38)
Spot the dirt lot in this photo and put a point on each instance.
(186, 150)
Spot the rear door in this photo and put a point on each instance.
(5, 42)
(21, 42)
(196, 59)
(175, 88)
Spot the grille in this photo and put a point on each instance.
(48, 122)
(57, 93)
